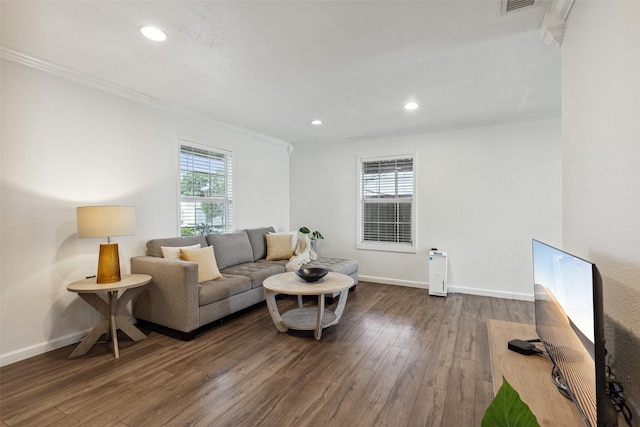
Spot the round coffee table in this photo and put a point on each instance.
(307, 318)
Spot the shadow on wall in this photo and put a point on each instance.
(623, 346)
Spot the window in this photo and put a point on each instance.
(386, 217)
(206, 202)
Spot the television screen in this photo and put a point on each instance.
(569, 322)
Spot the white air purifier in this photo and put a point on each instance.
(438, 273)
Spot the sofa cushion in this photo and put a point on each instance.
(231, 248)
(278, 246)
(337, 265)
(217, 290)
(173, 252)
(206, 260)
(256, 271)
(282, 262)
(154, 247)
(258, 242)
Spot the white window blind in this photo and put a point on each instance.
(206, 196)
(386, 209)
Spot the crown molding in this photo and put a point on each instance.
(554, 23)
(562, 8)
(133, 95)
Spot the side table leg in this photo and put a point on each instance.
(101, 328)
(124, 320)
(318, 331)
(273, 310)
(113, 301)
(87, 342)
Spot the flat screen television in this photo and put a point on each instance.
(570, 324)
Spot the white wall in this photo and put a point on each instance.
(601, 166)
(65, 145)
(483, 194)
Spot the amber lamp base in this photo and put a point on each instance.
(108, 263)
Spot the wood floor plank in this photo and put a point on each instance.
(523, 312)
(465, 346)
(195, 404)
(398, 357)
(500, 308)
(309, 398)
(483, 307)
(428, 409)
(340, 405)
(459, 407)
(401, 396)
(441, 358)
(109, 406)
(484, 396)
(264, 397)
(482, 354)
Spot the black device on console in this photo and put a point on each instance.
(523, 347)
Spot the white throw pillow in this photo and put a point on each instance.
(173, 252)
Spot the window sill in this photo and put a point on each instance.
(386, 247)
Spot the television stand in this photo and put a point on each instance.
(529, 376)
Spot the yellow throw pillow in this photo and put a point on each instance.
(173, 252)
(206, 260)
(278, 246)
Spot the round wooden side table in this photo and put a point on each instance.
(113, 309)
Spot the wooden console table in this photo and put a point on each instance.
(530, 376)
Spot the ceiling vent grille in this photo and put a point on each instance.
(513, 5)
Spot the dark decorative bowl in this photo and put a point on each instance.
(312, 274)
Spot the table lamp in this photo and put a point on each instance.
(106, 221)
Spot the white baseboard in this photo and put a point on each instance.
(492, 293)
(450, 290)
(389, 281)
(40, 348)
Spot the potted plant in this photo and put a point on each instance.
(314, 236)
(508, 410)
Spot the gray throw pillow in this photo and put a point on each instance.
(231, 248)
(258, 242)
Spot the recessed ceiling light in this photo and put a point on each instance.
(153, 33)
(410, 106)
(316, 122)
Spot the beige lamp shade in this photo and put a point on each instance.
(105, 221)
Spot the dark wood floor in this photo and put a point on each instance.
(398, 357)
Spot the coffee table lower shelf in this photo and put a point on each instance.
(305, 318)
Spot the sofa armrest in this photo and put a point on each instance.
(171, 299)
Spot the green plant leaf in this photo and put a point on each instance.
(304, 230)
(508, 410)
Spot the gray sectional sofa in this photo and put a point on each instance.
(177, 301)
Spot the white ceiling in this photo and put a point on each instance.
(272, 66)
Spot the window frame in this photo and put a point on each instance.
(228, 188)
(379, 245)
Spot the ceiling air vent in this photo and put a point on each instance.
(513, 5)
